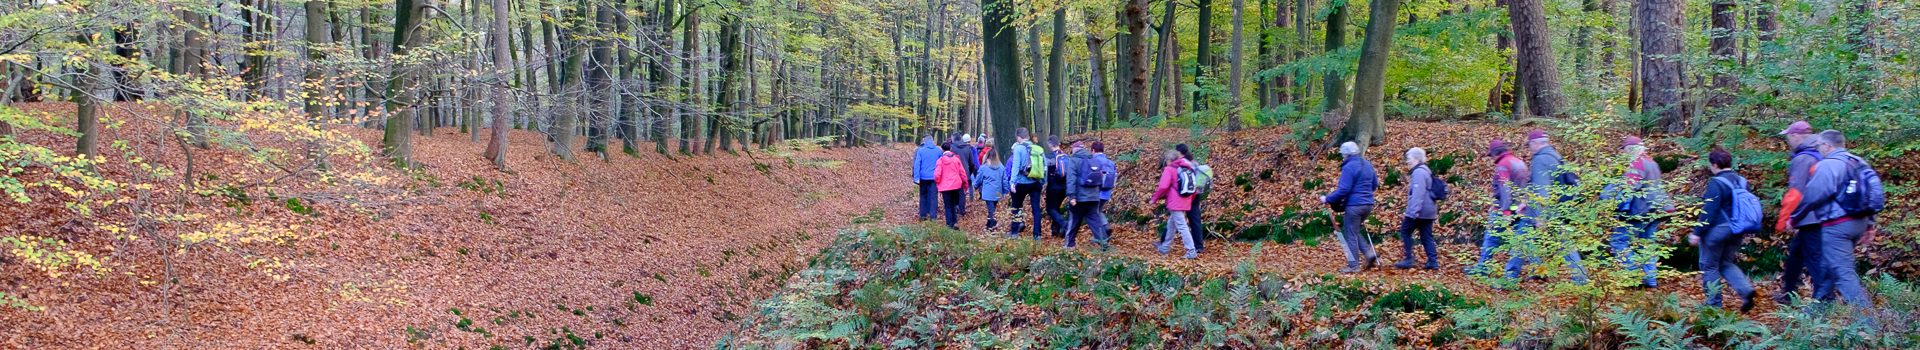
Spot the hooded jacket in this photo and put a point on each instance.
(1357, 182)
(924, 159)
(1800, 168)
(1508, 173)
(1075, 165)
(1169, 177)
(991, 182)
(968, 156)
(951, 173)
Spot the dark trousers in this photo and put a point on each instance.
(1023, 194)
(953, 199)
(1425, 227)
(1717, 252)
(927, 211)
(1054, 200)
(1803, 257)
(1353, 231)
(991, 222)
(1087, 214)
(1197, 226)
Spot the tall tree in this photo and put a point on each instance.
(1235, 50)
(502, 108)
(1661, 78)
(1203, 54)
(397, 143)
(600, 91)
(1002, 64)
(317, 40)
(1533, 46)
(87, 104)
(1336, 82)
(732, 73)
(1135, 17)
(1098, 84)
(1164, 57)
(1036, 110)
(1056, 77)
(1722, 47)
(1367, 125)
(690, 82)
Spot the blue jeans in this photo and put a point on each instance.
(1803, 257)
(1622, 243)
(1717, 252)
(1425, 227)
(1517, 261)
(927, 211)
(1087, 214)
(1837, 259)
(1177, 227)
(991, 205)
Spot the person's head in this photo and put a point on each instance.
(1350, 149)
(1416, 156)
(1099, 147)
(1537, 139)
(1078, 145)
(1170, 155)
(1496, 148)
(1831, 140)
(1020, 135)
(1053, 141)
(966, 138)
(925, 140)
(1185, 152)
(989, 157)
(946, 146)
(1719, 160)
(1797, 133)
(1633, 147)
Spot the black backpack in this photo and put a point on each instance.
(1437, 188)
(1096, 175)
(1863, 194)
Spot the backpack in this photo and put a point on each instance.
(1743, 214)
(1437, 188)
(1097, 175)
(1036, 162)
(1188, 181)
(1203, 179)
(1863, 195)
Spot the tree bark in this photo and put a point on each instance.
(1036, 109)
(599, 79)
(1722, 47)
(502, 106)
(1335, 82)
(1136, 72)
(1056, 75)
(1661, 78)
(1163, 60)
(397, 143)
(317, 39)
(1203, 54)
(1002, 65)
(1098, 87)
(1235, 50)
(1533, 45)
(1367, 126)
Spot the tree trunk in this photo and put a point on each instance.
(1661, 78)
(1533, 44)
(1335, 83)
(690, 81)
(1234, 54)
(1098, 88)
(1163, 60)
(659, 66)
(1203, 55)
(1367, 126)
(1722, 49)
(1036, 109)
(599, 80)
(1056, 76)
(1002, 64)
(397, 143)
(317, 39)
(1136, 72)
(87, 105)
(731, 74)
(502, 99)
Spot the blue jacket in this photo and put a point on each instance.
(968, 156)
(924, 161)
(1017, 163)
(1817, 200)
(1357, 182)
(1107, 194)
(1544, 166)
(1717, 206)
(991, 182)
(1079, 162)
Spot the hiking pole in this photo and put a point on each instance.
(1340, 236)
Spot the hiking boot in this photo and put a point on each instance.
(1369, 264)
(991, 223)
(1191, 256)
(1746, 302)
(1432, 265)
(1404, 264)
(1350, 269)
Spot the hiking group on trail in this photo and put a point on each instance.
(1830, 205)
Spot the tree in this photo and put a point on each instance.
(397, 144)
(1233, 75)
(317, 39)
(1056, 77)
(87, 105)
(1203, 55)
(1135, 17)
(1335, 83)
(1533, 48)
(502, 110)
(1367, 126)
(1661, 78)
(1721, 51)
(1098, 82)
(1002, 65)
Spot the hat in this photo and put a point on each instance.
(1349, 148)
(1630, 141)
(1798, 128)
(1536, 134)
(1496, 147)
(966, 138)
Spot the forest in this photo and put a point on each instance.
(732, 173)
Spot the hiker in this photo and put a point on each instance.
(924, 161)
(1421, 210)
(1509, 173)
(1026, 168)
(990, 183)
(1643, 180)
(1544, 171)
(984, 146)
(1194, 222)
(1176, 194)
(951, 177)
(1056, 185)
(1803, 250)
(969, 159)
(1354, 197)
(1088, 176)
(1828, 203)
(1719, 238)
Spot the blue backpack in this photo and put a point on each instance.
(1098, 175)
(1863, 195)
(1743, 215)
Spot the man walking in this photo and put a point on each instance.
(1824, 206)
(1803, 250)
(1026, 181)
(925, 160)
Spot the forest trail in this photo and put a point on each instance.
(635, 252)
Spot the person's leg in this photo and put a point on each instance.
(1729, 248)
(1098, 221)
(1166, 236)
(1518, 260)
(1620, 242)
(926, 200)
(1350, 233)
(1366, 241)
(1649, 265)
(1489, 241)
(1079, 212)
(1194, 224)
(1406, 243)
(1033, 196)
(1837, 250)
(1710, 260)
(1018, 225)
(1178, 222)
(1054, 222)
(952, 199)
(991, 222)
(1793, 269)
(1426, 242)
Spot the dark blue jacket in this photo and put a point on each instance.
(1357, 182)
(968, 156)
(924, 160)
(1718, 205)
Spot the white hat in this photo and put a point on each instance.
(966, 138)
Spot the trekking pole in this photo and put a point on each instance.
(1339, 235)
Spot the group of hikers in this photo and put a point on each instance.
(1830, 204)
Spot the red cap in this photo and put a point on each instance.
(1496, 147)
(1798, 128)
(1536, 134)
(1630, 141)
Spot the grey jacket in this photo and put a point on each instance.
(1544, 165)
(1817, 200)
(1074, 165)
(1419, 197)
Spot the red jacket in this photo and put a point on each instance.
(1170, 177)
(949, 174)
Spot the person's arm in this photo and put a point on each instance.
(1715, 197)
(1166, 184)
(1344, 186)
(1797, 174)
(1823, 185)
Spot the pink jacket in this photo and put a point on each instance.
(949, 174)
(1170, 177)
